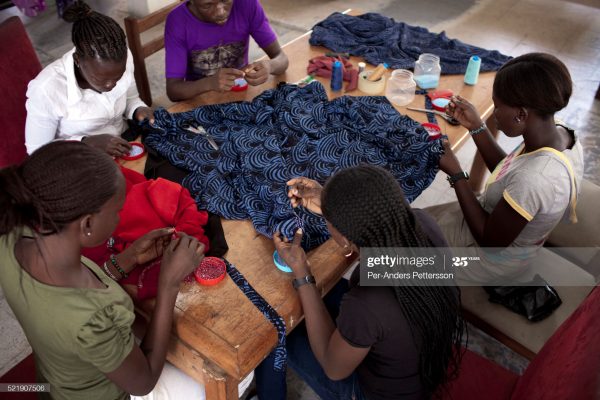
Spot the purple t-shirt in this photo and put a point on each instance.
(196, 49)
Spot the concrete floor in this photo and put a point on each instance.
(569, 29)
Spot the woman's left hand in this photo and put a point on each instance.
(143, 113)
(448, 161)
(292, 253)
(151, 245)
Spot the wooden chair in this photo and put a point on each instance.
(19, 64)
(134, 27)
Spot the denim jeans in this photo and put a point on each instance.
(303, 361)
(271, 385)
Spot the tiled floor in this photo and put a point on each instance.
(569, 29)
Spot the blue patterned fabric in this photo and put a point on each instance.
(380, 39)
(268, 312)
(284, 133)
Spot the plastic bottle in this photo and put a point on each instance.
(473, 70)
(336, 76)
(400, 89)
(427, 71)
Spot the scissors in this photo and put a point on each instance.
(448, 118)
(201, 131)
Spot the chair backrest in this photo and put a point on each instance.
(134, 27)
(568, 366)
(18, 66)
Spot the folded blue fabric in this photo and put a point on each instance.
(285, 133)
(380, 39)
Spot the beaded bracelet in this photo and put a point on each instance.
(478, 130)
(115, 264)
(107, 270)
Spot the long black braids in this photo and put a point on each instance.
(368, 207)
(95, 34)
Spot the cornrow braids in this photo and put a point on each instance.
(57, 184)
(95, 34)
(367, 206)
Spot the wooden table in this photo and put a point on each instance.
(218, 334)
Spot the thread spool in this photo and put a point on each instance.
(336, 76)
(473, 70)
(378, 72)
(368, 87)
(361, 67)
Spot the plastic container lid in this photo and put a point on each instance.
(210, 271)
(137, 151)
(239, 85)
(279, 263)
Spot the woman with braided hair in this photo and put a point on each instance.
(87, 93)
(77, 319)
(387, 342)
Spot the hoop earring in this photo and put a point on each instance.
(351, 251)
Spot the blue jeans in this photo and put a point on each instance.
(303, 361)
(271, 385)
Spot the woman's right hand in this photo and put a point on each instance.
(113, 145)
(224, 79)
(180, 258)
(306, 193)
(464, 112)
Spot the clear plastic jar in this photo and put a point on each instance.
(400, 89)
(427, 71)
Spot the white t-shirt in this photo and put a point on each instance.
(57, 108)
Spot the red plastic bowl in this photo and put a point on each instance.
(210, 271)
(433, 130)
(137, 151)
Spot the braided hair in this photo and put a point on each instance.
(95, 34)
(56, 185)
(377, 215)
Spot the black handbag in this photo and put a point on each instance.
(535, 301)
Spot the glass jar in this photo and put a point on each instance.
(400, 89)
(427, 71)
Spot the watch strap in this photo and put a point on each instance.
(296, 283)
(452, 179)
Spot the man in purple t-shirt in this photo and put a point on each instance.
(206, 44)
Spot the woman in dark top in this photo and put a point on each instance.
(390, 342)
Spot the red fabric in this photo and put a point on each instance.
(18, 65)
(150, 205)
(322, 65)
(568, 366)
(23, 372)
(480, 378)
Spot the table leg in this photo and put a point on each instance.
(219, 385)
(479, 169)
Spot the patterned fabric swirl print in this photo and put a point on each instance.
(380, 39)
(268, 312)
(284, 133)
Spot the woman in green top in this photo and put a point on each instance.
(78, 320)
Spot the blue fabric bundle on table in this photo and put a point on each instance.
(380, 39)
(286, 133)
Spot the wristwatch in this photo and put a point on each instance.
(296, 283)
(452, 179)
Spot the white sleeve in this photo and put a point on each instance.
(133, 97)
(41, 124)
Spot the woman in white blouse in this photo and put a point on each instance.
(87, 93)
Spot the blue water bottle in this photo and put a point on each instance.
(336, 76)
(472, 70)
